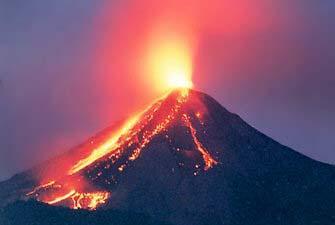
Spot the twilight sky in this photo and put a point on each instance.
(66, 69)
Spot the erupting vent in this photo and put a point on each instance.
(77, 188)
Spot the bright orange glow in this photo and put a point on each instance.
(113, 144)
(48, 184)
(108, 147)
(89, 200)
(135, 135)
(161, 125)
(170, 62)
(209, 161)
(61, 198)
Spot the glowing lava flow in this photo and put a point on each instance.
(118, 139)
(61, 198)
(129, 141)
(209, 161)
(106, 148)
(147, 137)
(82, 200)
(36, 189)
(89, 200)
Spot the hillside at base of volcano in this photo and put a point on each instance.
(184, 160)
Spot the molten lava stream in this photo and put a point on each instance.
(118, 139)
(109, 146)
(42, 186)
(61, 198)
(161, 125)
(89, 200)
(209, 161)
(146, 125)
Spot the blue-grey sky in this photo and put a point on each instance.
(280, 78)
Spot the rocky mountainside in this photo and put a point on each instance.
(185, 160)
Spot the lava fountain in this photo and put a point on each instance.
(169, 60)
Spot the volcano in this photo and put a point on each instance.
(183, 160)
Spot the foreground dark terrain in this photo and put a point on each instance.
(31, 212)
(187, 161)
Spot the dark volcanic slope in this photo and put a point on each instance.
(206, 166)
(35, 213)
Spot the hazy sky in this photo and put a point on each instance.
(273, 64)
